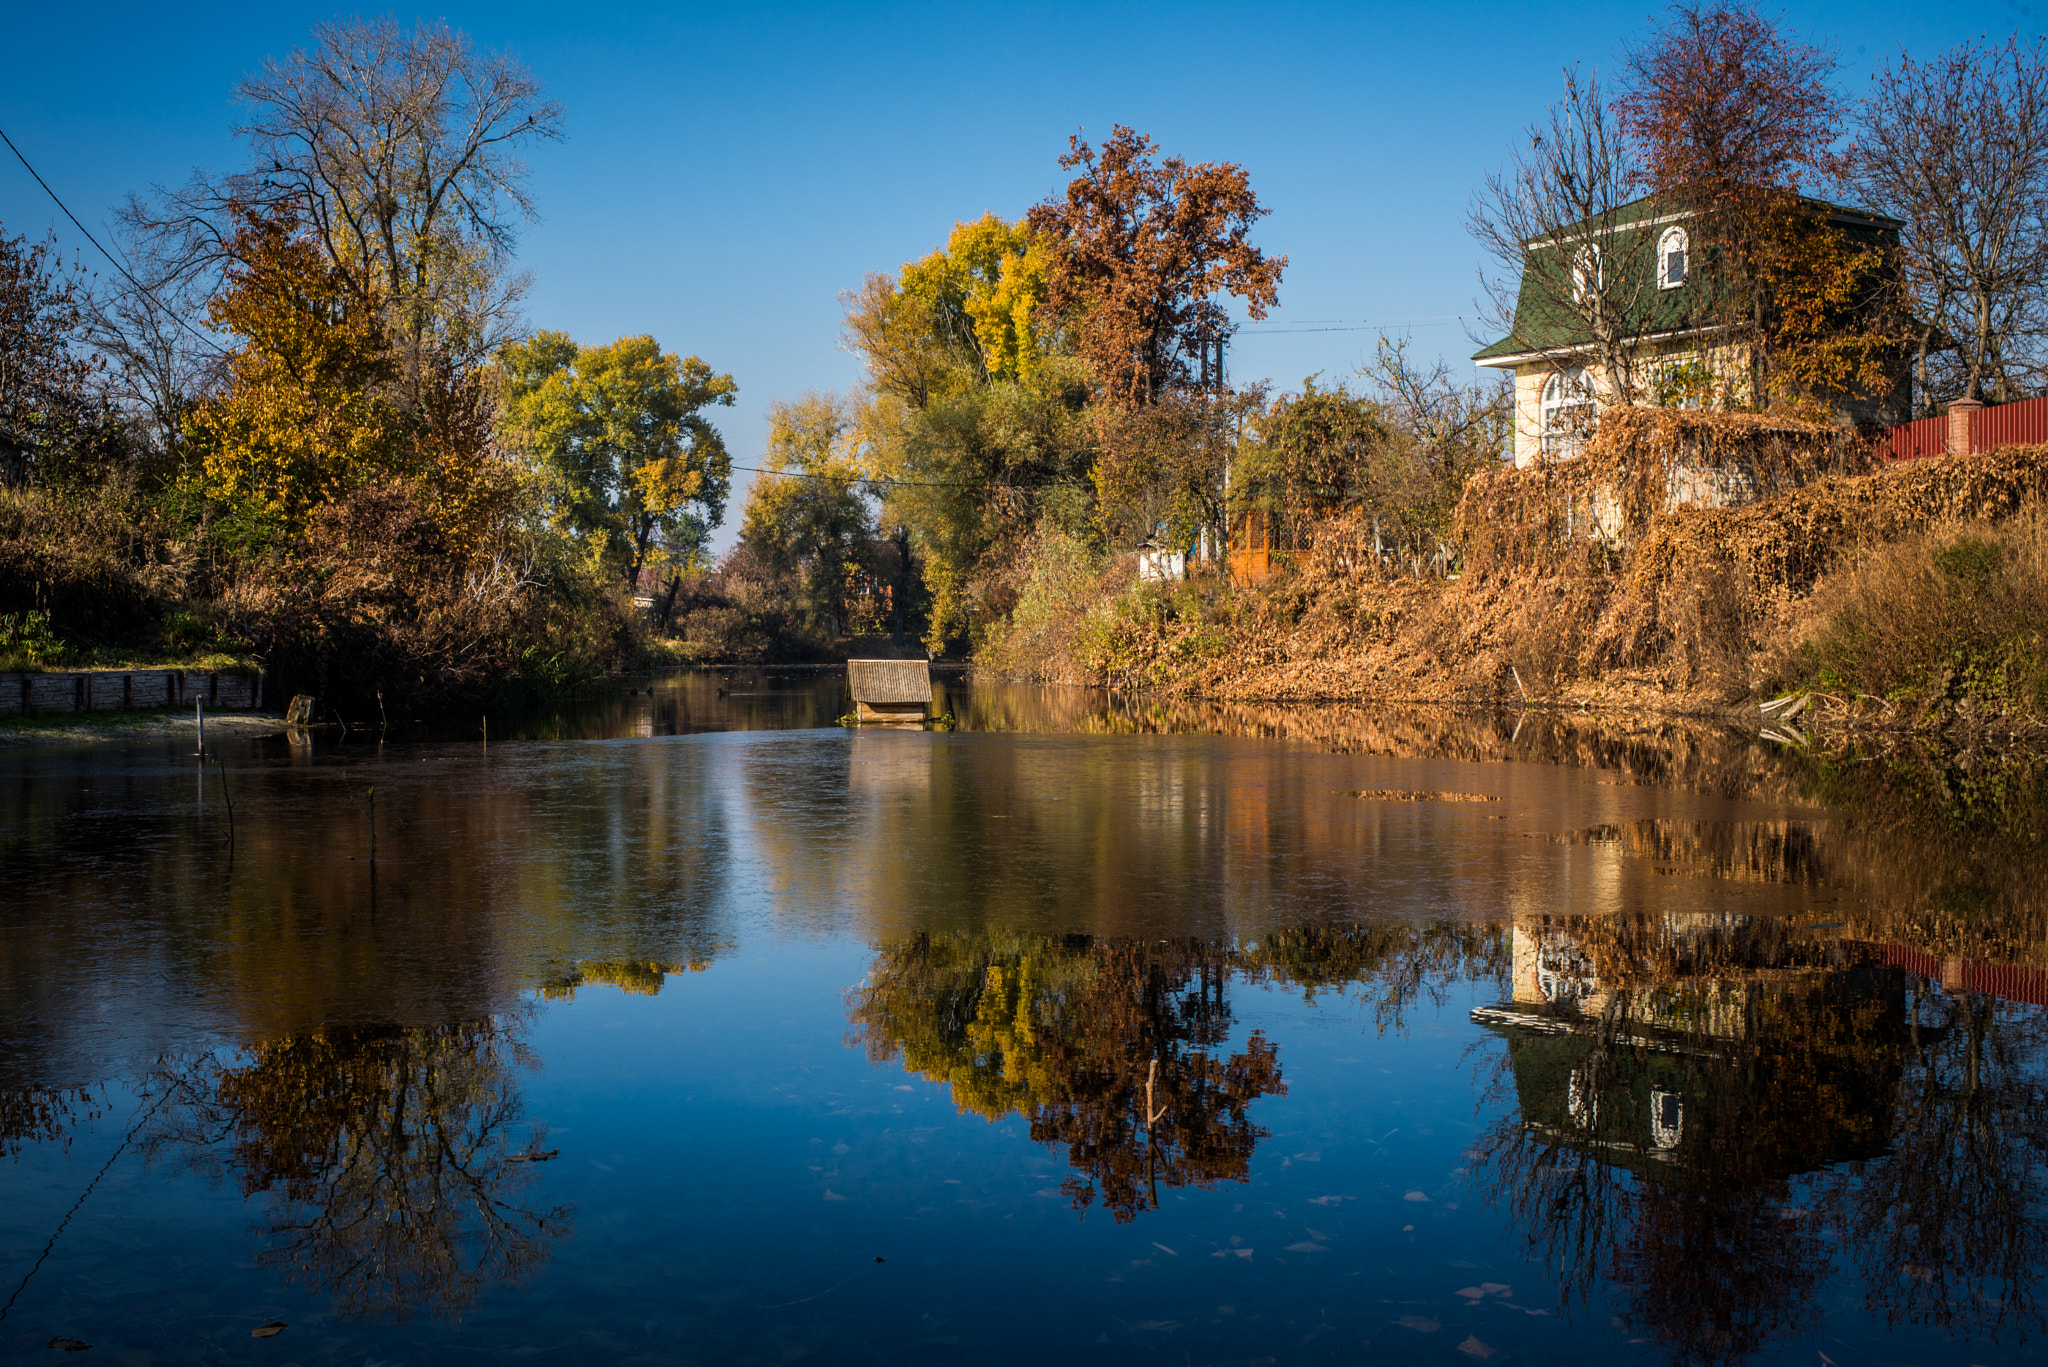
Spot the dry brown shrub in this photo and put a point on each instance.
(373, 602)
(1959, 610)
(100, 561)
(1564, 515)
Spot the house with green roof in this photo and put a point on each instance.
(1620, 309)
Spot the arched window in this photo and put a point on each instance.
(1568, 412)
(1667, 1119)
(1673, 258)
(1586, 274)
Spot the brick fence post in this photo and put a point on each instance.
(1961, 415)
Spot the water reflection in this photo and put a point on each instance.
(396, 1176)
(44, 1115)
(1768, 1026)
(1122, 1050)
(1714, 1114)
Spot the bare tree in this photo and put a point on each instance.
(1456, 427)
(144, 323)
(1568, 281)
(1958, 147)
(400, 150)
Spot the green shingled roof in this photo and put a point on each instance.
(1628, 242)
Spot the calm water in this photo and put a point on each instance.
(688, 1027)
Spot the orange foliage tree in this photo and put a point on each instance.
(1735, 119)
(1138, 247)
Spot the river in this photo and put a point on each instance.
(688, 1026)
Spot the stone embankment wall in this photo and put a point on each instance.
(108, 690)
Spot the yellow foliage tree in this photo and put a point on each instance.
(304, 418)
(985, 288)
(621, 428)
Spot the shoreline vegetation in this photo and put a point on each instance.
(1904, 597)
(338, 452)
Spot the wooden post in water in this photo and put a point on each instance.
(890, 690)
(199, 720)
(220, 762)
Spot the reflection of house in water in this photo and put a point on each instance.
(1656, 1041)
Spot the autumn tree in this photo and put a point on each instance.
(1736, 121)
(1165, 468)
(306, 415)
(50, 420)
(807, 519)
(399, 150)
(971, 413)
(621, 429)
(1957, 146)
(1139, 248)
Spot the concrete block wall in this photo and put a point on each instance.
(108, 690)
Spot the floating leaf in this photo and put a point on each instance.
(268, 1331)
(64, 1345)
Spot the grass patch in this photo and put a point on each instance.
(1955, 615)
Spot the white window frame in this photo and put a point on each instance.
(1565, 392)
(1587, 272)
(1675, 241)
(1666, 1132)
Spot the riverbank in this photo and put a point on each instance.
(48, 731)
(1908, 596)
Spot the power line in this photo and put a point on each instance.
(1255, 330)
(905, 483)
(175, 316)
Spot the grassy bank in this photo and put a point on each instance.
(79, 728)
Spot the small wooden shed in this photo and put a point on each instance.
(890, 690)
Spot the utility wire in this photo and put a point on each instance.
(58, 1233)
(885, 479)
(175, 316)
(1257, 330)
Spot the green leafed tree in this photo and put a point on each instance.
(807, 519)
(620, 429)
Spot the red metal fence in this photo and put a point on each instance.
(2008, 424)
(2014, 982)
(1916, 440)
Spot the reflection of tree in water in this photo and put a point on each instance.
(1111, 1048)
(1951, 1225)
(1718, 1113)
(1118, 1048)
(44, 1115)
(637, 977)
(385, 1151)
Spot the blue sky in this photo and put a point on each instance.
(730, 169)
